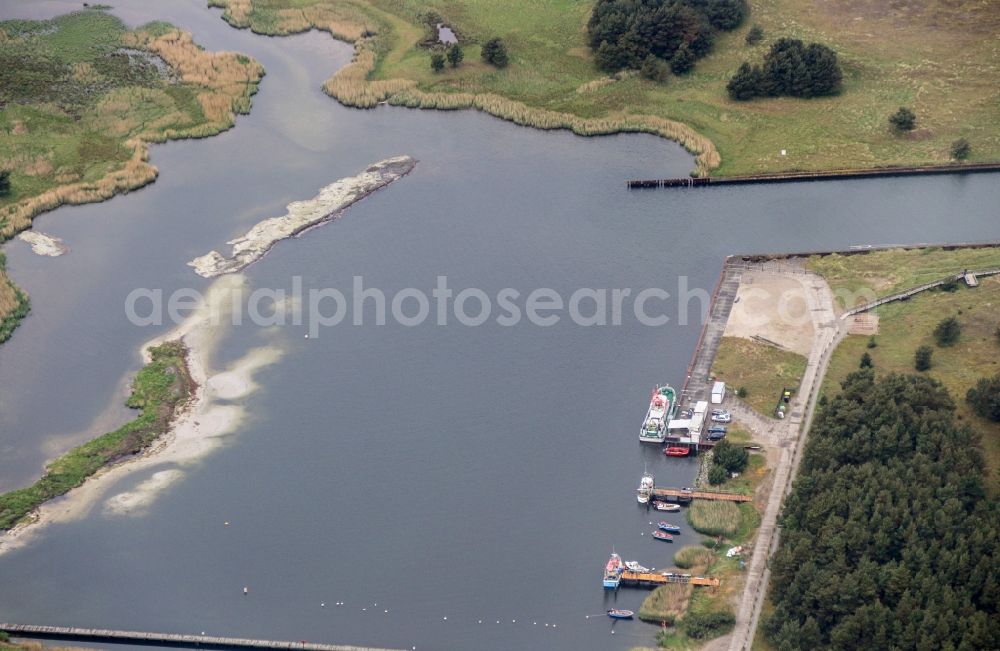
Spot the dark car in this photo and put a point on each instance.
(717, 429)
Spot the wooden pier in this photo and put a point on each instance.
(782, 177)
(677, 495)
(653, 580)
(165, 639)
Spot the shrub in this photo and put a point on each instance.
(455, 55)
(4, 183)
(984, 398)
(866, 361)
(922, 358)
(755, 35)
(494, 52)
(437, 62)
(871, 342)
(730, 457)
(717, 475)
(903, 120)
(703, 626)
(743, 393)
(947, 331)
(653, 69)
(960, 149)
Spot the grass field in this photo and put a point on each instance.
(159, 390)
(903, 326)
(14, 303)
(938, 56)
(761, 369)
(82, 97)
(881, 273)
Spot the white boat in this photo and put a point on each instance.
(663, 506)
(662, 406)
(645, 490)
(633, 566)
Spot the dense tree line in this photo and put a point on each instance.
(790, 68)
(624, 33)
(889, 540)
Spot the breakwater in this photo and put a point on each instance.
(785, 177)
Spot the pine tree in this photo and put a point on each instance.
(437, 62)
(903, 120)
(947, 331)
(922, 358)
(4, 183)
(745, 84)
(495, 52)
(755, 35)
(682, 61)
(455, 55)
(866, 361)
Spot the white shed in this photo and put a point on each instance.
(718, 393)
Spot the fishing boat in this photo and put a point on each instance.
(663, 506)
(633, 566)
(613, 572)
(662, 405)
(669, 528)
(677, 451)
(663, 535)
(645, 488)
(620, 613)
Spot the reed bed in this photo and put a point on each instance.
(666, 603)
(694, 556)
(715, 518)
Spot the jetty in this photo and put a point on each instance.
(165, 639)
(841, 174)
(653, 580)
(681, 495)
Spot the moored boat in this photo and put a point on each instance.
(663, 506)
(633, 566)
(663, 535)
(677, 451)
(645, 488)
(620, 613)
(662, 406)
(613, 572)
(669, 528)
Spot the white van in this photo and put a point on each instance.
(718, 393)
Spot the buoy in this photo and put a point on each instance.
(446, 618)
(306, 337)
(323, 605)
(226, 523)
(480, 621)
(246, 590)
(386, 610)
(367, 609)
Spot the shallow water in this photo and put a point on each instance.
(439, 471)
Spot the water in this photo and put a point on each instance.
(446, 34)
(469, 473)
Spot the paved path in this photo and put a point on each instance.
(788, 436)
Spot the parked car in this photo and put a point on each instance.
(724, 417)
(717, 429)
(716, 436)
(686, 413)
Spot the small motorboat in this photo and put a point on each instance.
(676, 451)
(620, 613)
(663, 506)
(669, 528)
(633, 566)
(663, 535)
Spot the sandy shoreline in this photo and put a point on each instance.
(329, 204)
(213, 411)
(201, 427)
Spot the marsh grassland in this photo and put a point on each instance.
(940, 58)
(81, 97)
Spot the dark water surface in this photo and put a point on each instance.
(438, 471)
